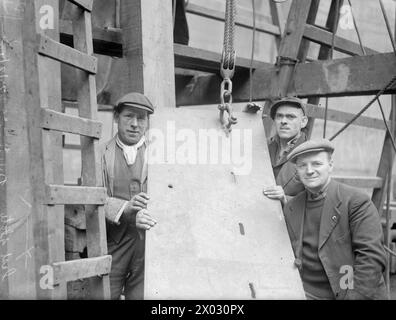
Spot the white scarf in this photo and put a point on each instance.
(130, 152)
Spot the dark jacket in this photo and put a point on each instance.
(350, 235)
(285, 172)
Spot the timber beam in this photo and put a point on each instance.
(360, 75)
(324, 37)
(106, 41)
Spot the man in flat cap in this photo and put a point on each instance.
(124, 168)
(335, 231)
(289, 116)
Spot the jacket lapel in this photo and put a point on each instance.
(330, 213)
(296, 215)
(109, 158)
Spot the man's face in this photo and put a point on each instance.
(132, 124)
(289, 120)
(314, 169)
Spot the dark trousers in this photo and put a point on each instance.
(127, 268)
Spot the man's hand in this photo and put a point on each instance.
(275, 192)
(139, 202)
(144, 220)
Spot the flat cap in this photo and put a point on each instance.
(310, 146)
(287, 100)
(134, 99)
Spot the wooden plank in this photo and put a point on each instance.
(277, 19)
(90, 158)
(208, 61)
(106, 41)
(65, 54)
(59, 194)
(335, 78)
(80, 269)
(231, 241)
(241, 20)
(42, 88)
(344, 117)
(83, 4)
(59, 121)
(4, 215)
(74, 104)
(321, 36)
(344, 77)
(360, 182)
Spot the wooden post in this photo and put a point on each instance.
(289, 49)
(90, 163)
(4, 292)
(148, 50)
(42, 90)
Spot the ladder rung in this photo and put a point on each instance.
(83, 4)
(80, 269)
(65, 54)
(59, 121)
(360, 182)
(59, 194)
(208, 61)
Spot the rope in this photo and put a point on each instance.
(252, 53)
(390, 84)
(388, 27)
(334, 29)
(390, 251)
(229, 32)
(357, 30)
(387, 126)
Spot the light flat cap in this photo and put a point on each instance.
(289, 101)
(134, 99)
(311, 146)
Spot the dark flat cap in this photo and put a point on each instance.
(289, 101)
(310, 146)
(134, 99)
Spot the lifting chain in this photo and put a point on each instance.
(227, 67)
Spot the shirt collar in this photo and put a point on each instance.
(320, 194)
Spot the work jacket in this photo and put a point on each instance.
(284, 171)
(350, 235)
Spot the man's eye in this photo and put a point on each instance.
(290, 117)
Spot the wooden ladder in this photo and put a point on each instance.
(42, 57)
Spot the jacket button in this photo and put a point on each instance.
(334, 218)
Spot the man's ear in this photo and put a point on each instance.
(331, 164)
(304, 122)
(116, 116)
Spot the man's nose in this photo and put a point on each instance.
(133, 122)
(283, 120)
(309, 169)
